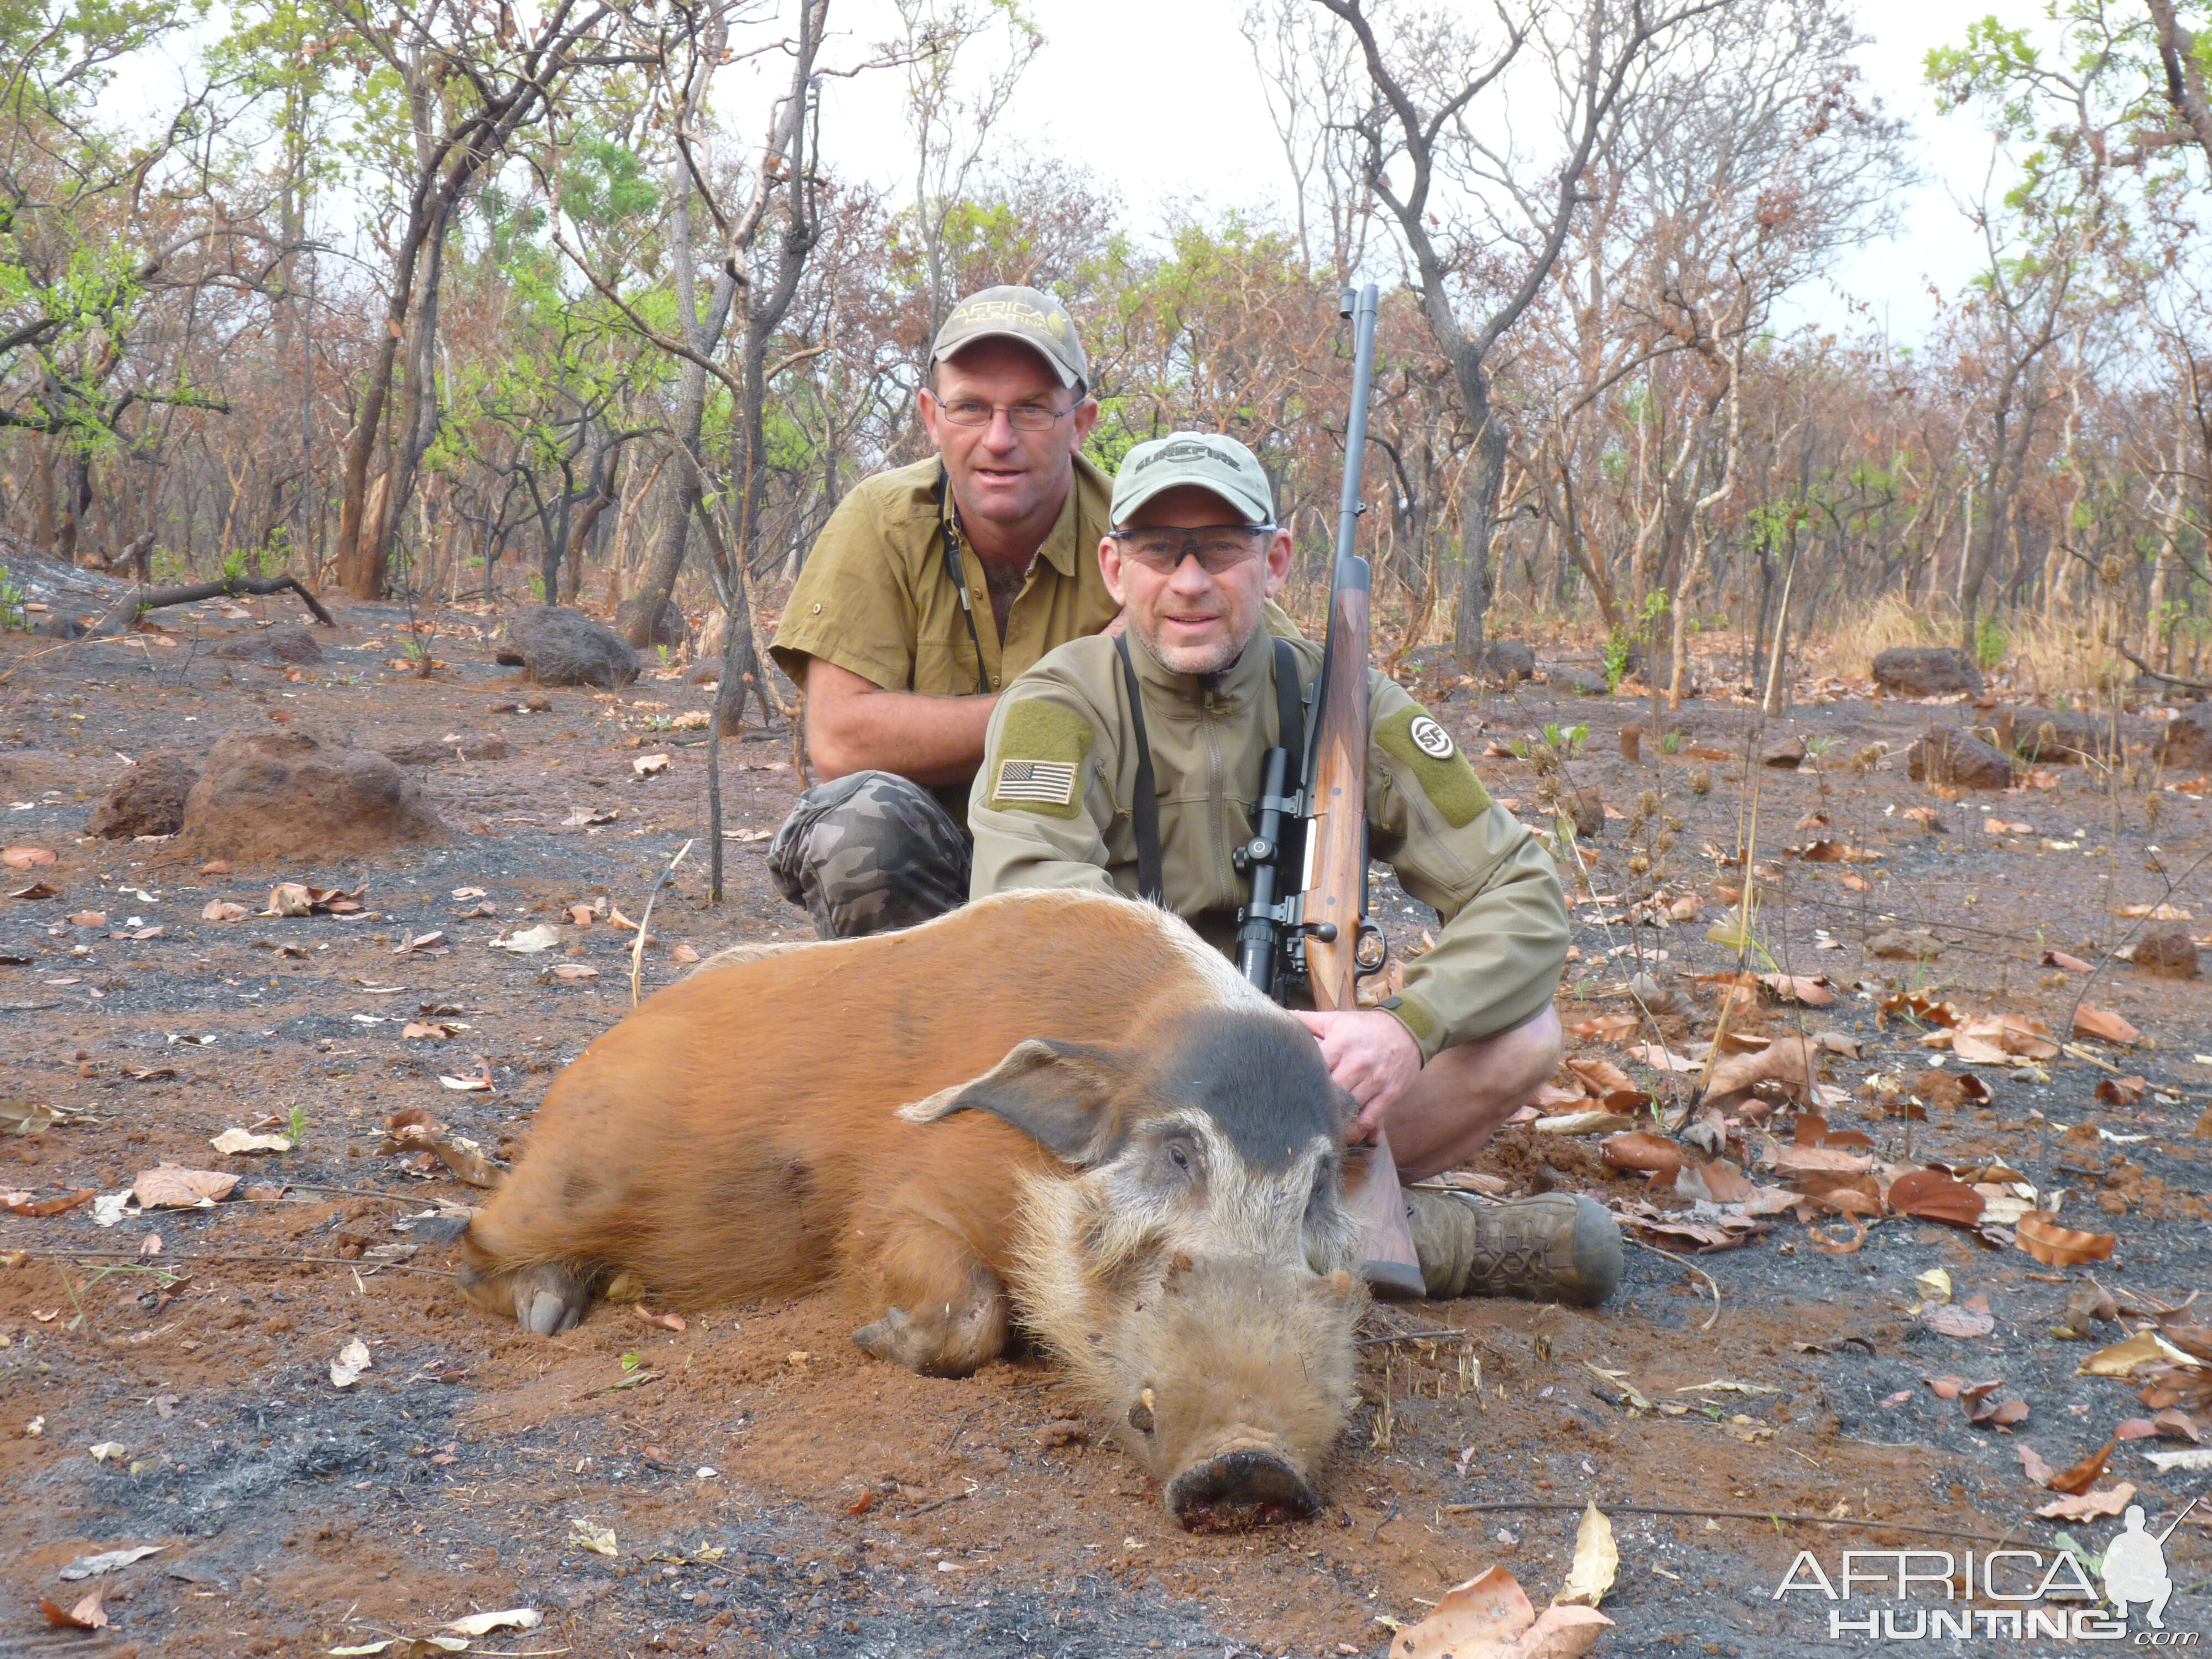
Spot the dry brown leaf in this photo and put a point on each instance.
(1793, 1161)
(1950, 1387)
(2085, 1474)
(1601, 1076)
(1660, 1058)
(684, 953)
(1489, 1617)
(27, 858)
(1641, 1149)
(1810, 989)
(1596, 1561)
(2060, 959)
(1603, 1028)
(416, 1028)
(170, 1187)
(2061, 1247)
(28, 1204)
(1857, 884)
(86, 1614)
(667, 1322)
(2089, 1505)
(2177, 1423)
(1935, 1197)
(223, 910)
(2101, 1023)
(1787, 1061)
(1717, 1182)
(2123, 1090)
(1550, 1096)
(2000, 827)
(2034, 1468)
(1966, 1319)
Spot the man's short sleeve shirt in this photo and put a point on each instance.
(876, 599)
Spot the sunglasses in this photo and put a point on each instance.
(1220, 547)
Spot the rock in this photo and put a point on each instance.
(1917, 945)
(1788, 753)
(1947, 755)
(2050, 734)
(708, 670)
(149, 801)
(1934, 671)
(58, 626)
(2166, 950)
(556, 645)
(2187, 744)
(285, 642)
(670, 630)
(1501, 662)
(1578, 681)
(298, 793)
(429, 751)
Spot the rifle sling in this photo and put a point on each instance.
(1145, 802)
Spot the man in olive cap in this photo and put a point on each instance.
(1132, 765)
(930, 588)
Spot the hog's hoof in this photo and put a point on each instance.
(950, 1344)
(1239, 1490)
(548, 1300)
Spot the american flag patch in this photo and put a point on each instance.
(1051, 783)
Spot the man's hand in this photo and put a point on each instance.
(1372, 1055)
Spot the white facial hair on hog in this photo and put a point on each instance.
(1220, 1315)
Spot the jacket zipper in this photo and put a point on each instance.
(1217, 803)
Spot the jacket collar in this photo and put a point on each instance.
(1250, 677)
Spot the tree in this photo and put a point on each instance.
(1456, 195)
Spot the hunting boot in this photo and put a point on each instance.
(1556, 1247)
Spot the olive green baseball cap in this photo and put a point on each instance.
(1208, 460)
(1027, 315)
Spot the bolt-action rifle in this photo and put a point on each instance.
(1319, 935)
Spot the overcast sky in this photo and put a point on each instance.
(1160, 98)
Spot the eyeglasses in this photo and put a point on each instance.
(1220, 547)
(1022, 417)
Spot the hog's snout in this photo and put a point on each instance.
(1246, 1487)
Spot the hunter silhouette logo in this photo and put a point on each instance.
(2134, 1566)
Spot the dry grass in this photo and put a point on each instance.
(2060, 657)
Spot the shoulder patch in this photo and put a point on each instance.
(1039, 765)
(1413, 738)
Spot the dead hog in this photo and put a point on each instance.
(1060, 1108)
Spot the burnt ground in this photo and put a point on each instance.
(773, 1492)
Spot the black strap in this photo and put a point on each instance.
(950, 524)
(1144, 802)
(1290, 703)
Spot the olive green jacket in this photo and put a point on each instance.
(1050, 808)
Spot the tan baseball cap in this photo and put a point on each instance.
(1208, 460)
(1028, 315)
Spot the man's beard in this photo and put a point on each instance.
(1199, 659)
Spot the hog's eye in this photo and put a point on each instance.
(1179, 1158)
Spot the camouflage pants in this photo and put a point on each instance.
(870, 853)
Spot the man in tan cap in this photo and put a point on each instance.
(932, 587)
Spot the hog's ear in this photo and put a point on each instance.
(1058, 1094)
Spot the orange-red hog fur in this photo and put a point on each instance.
(741, 1133)
(738, 1134)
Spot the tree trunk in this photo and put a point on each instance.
(1477, 515)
